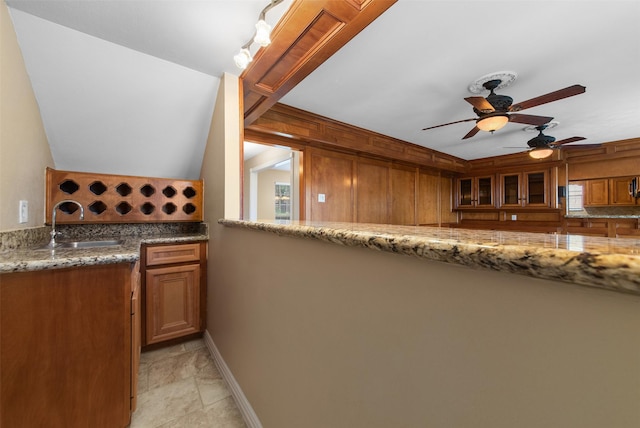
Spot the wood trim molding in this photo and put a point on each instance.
(306, 36)
(294, 127)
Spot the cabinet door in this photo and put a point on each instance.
(536, 189)
(510, 190)
(597, 192)
(484, 192)
(172, 302)
(465, 188)
(619, 191)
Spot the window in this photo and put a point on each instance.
(574, 197)
(283, 201)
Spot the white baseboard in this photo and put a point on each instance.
(250, 417)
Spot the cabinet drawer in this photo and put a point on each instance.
(167, 254)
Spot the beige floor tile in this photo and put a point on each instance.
(181, 366)
(212, 390)
(222, 414)
(159, 354)
(194, 344)
(143, 378)
(168, 402)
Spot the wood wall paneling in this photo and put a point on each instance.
(331, 176)
(372, 196)
(403, 196)
(428, 199)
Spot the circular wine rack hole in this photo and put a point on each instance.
(123, 189)
(97, 207)
(189, 208)
(147, 208)
(169, 192)
(189, 192)
(68, 207)
(97, 188)
(169, 208)
(69, 187)
(123, 208)
(147, 190)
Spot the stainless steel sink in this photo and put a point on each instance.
(91, 244)
(84, 244)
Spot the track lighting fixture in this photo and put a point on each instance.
(262, 37)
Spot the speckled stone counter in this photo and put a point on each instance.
(611, 264)
(21, 250)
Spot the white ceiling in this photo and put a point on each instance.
(128, 86)
(411, 68)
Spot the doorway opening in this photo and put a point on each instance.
(271, 183)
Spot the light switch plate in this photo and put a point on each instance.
(321, 197)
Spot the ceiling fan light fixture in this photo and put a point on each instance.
(541, 153)
(492, 123)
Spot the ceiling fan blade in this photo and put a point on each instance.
(529, 119)
(471, 133)
(569, 140)
(551, 96)
(480, 104)
(450, 123)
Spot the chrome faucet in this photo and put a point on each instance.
(52, 242)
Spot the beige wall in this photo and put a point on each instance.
(320, 335)
(266, 188)
(24, 150)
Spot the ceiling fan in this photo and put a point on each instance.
(495, 111)
(542, 146)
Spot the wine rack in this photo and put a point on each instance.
(108, 198)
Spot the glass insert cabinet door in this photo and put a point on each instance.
(465, 187)
(511, 190)
(524, 189)
(536, 188)
(476, 192)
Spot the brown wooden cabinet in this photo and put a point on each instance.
(596, 192)
(175, 291)
(136, 332)
(525, 189)
(66, 347)
(619, 191)
(475, 192)
(609, 191)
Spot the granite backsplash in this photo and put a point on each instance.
(25, 238)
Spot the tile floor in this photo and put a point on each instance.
(180, 386)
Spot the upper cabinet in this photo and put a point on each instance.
(609, 191)
(475, 192)
(525, 189)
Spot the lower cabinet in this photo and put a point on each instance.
(66, 347)
(174, 291)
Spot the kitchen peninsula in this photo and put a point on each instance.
(611, 264)
(344, 324)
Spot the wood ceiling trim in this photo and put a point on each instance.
(310, 129)
(306, 36)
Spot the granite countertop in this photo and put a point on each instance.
(607, 263)
(601, 216)
(29, 256)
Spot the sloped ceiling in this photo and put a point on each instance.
(128, 87)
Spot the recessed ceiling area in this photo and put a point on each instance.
(411, 69)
